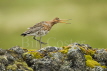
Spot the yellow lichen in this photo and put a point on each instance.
(91, 52)
(51, 53)
(88, 57)
(12, 67)
(35, 54)
(87, 51)
(83, 50)
(65, 49)
(103, 66)
(91, 63)
(24, 64)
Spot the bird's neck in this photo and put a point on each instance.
(53, 23)
(50, 23)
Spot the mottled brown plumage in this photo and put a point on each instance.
(41, 29)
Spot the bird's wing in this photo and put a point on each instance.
(34, 28)
(40, 24)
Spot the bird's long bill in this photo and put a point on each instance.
(64, 21)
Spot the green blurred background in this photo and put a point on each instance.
(88, 24)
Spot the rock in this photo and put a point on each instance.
(74, 57)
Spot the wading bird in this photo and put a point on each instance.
(42, 28)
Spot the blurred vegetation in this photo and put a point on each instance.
(89, 22)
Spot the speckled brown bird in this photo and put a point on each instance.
(42, 28)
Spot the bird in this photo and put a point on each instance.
(42, 28)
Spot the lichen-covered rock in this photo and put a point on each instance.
(17, 49)
(45, 64)
(74, 57)
(12, 60)
(2, 67)
(2, 51)
(101, 56)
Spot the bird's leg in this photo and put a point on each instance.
(36, 39)
(39, 41)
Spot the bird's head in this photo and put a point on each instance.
(57, 20)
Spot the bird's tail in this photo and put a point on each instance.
(23, 34)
